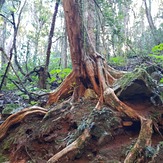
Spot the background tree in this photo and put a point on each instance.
(44, 74)
(15, 26)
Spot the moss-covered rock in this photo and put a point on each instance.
(138, 83)
(9, 108)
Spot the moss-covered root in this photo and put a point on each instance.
(73, 147)
(143, 141)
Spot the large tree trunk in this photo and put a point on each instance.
(89, 67)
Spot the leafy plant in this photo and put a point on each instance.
(157, 53)
(118, 61)
(9, 108)
(161, 81)
(3, 158)
(58, 75)
(157, 49)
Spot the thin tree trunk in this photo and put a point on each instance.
(13, 45)
(16, 27)
(2, 43)
(150, 20)
(45, 72)
(23, 89)
(1, 3)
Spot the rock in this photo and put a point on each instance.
(1, 103)
(90, 94)
(139, 85)
(156, 75)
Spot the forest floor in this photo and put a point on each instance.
(38, 142)
(58, 130)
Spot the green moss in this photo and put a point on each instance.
(3, 158)
(7, 143)
(138, 74)
(9, 108)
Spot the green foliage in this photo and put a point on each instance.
(9, 108)
(117, 61)
(10, 86)
(161, 81)
(161, 143)
(54, 61)
(157, 49)
(33, 102)
(157, 53)
(59, 75)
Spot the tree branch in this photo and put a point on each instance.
(7, 19)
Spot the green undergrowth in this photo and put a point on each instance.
(157, 53)
(9, 108)
(117, 61)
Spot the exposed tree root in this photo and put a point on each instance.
(18, 117)
(115, 73)
(112, 100)
(73, 147)
(137, 153)
(99, 76)
(63, 90)
(106, 78)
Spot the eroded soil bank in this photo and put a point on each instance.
(38, 137)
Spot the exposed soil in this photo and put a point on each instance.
(37, 140)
